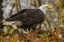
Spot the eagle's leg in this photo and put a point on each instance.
(34, 27)
(29, 29)
(24, 30)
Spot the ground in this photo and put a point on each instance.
(35, 36)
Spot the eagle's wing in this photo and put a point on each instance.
(28, 16)
(16, 16)
(22, 11)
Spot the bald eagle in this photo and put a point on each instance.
(30, 18)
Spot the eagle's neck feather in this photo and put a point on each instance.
(43, 9)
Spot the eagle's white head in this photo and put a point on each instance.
(43, 8)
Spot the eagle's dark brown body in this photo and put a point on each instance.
(29, 17)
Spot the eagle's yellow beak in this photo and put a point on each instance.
(49, 7)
